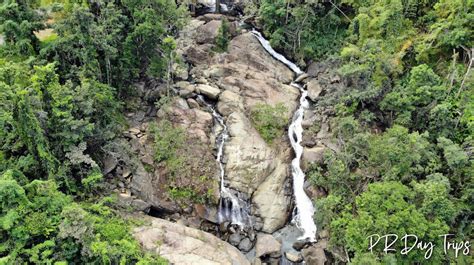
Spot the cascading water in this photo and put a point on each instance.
(231, 207)
(304, 210)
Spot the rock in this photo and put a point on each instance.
(208, 32)
(229, 102)
(271, 201)
(207, 213)
(208, 91)
(193, 103)
(140, 205)
(186, 246)
(314, 255)
(313, 155)
(245, 245)
(314, 89)
(124, 199)
(266, 245)
(235, 239)
(301, 77)
(198, 54)
(300, 244)
(109, 164)
(324, 234)
(181, 103)
(315, 68)
(293, 256)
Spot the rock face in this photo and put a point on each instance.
(247, 76)
(184, 245)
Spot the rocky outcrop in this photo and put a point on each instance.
(183, 245)
(246, 76)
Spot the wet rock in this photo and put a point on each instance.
(235, 239)
(314, 89)
(300, 244)
(245, 245)
(184, 245)
(267, 245)
(208, 91)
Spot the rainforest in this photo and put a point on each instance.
(236, 132)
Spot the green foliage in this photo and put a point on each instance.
(167, 140)
(39, 224)
(222, 38)
(306, 30)
(269, 120)
(18, 22)
(185, 184)
(388, 208)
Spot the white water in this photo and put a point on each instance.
(211, 4)
(266, 45)
(304, 210)
(231, 208)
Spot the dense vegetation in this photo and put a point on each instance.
(60, 102)
(405, 121)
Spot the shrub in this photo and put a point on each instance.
(269, 120)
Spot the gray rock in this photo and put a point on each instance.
(208, 32)
(245, 245)
(314, 89)
(314, 255)
(267, 245)
(140, 205)
(235, 239)
(109, 164)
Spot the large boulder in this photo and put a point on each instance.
(267, 245)
(314, 89)
(314, 255)
(184, 245)
(313, 155)
(208, 32)
(208, 91)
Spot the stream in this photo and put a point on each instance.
(304, 210)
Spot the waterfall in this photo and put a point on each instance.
(231, 208)
(304, 210)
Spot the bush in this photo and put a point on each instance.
(223, 35)
(269, 120)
